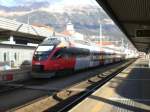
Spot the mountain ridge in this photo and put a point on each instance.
(86, 18)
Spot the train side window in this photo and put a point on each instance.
(57, 54)
(5, 57)
(15, 56)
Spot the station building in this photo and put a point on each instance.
(18, 42)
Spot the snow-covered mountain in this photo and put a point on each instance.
(21, 7)
(84, 14)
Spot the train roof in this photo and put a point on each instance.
(85, 44)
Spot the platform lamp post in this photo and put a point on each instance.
(100, 28)
(100, 22)
(28, 22)
(100, 33)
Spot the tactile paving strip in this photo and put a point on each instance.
(129, 105)
(122, 104)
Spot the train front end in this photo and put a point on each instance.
(42, 66)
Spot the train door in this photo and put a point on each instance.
(101, 58)
(62, 60)
(69, 59)
(82, 59)
(57, 61)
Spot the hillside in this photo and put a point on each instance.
(84, 17)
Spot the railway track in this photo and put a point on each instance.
(56, 96)
(92, 89)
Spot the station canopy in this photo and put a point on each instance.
(21, 30)
(133, 18)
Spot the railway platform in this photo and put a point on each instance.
(129, 91)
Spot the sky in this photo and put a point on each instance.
(11, 3)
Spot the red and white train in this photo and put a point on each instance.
(61, 53)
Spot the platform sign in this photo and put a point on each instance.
(142, 33)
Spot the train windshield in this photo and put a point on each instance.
(42, 52)
(52, 41)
